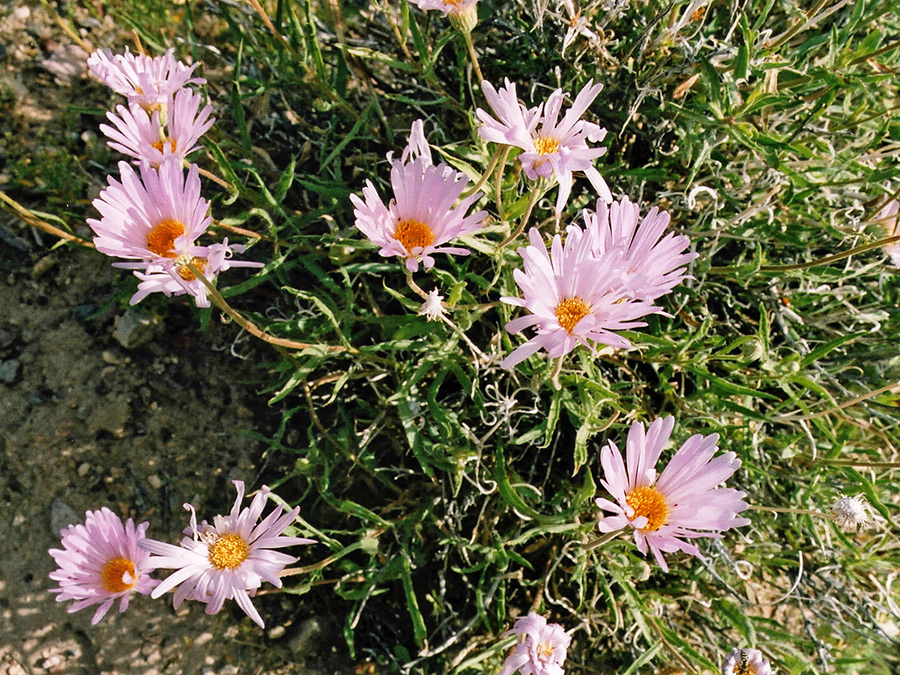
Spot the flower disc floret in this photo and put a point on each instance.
(228, 559)
(100, 562)
(683, 503)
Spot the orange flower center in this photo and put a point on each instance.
(650, 502)
(570, 311)
(181, 266)
(228, 551)
(112, 575)
(160, 145)
(453, 3)
(413, 234)
(546, 145)
(544, 649)
(161, 239)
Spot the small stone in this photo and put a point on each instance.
(42, 266)
(109, 357)
(203, 638)
(155, 481)
(22, 13)
(134, 328)
(61, 516)
(307, 639)
(9, 370)
(277, 632)
(84, 469)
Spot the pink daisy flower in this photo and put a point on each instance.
(421, 217)
(228, 559)
(574, 297)
(155, 137)
(654, 264)
(100, 562)
(144, 80)
(156, 218)
(551, 148)
(542, 652)
(746, 662)
(683, 503)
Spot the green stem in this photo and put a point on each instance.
(599, 541)
(487, 173)
(535, 195)
(251, 327)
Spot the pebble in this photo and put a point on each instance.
(134, 329)
(83, 469)
(61, 516)
(8, 371)
(308, 637)
(277, 632)
(155, 481)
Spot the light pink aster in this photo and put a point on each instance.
(551, 147)
(542, 652)
(746, 662)
(421, 217)
(155, 136)
(889, 217)
(144, 80)
(573, 296)
(100, 562)
(228, 559)
(155, 218)
(683, 503)
(654, 261)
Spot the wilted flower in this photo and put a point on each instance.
(155, 137)
(433, 307)
(574, 297)
(100, 562)
(156, 218)
(228, 559)
(654, 264)
(852, 513)
(421, 217)
(144, 80)
(889, 217)
(542, 652)
(551, 147)
(683, 503)
(746, 662)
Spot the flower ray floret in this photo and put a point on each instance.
(683, 503)
(228, 559)
(144, 80)
(422, 217)
(100, 562)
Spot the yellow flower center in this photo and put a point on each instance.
(452, 3)
(412, 234)
(570, 311)
(161, 239)
(743, 669)
(112, 575)
(160, 145)
(650, 502)
(228, 551)
(546, 145)
(545, 649)
(183, 271)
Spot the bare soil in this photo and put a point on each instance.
(102, 406)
